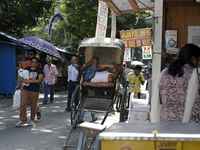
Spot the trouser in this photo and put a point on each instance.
(25, 96)
(83, 113)
(65, 81)
(71, 88)
(129, 94)
(46, 92)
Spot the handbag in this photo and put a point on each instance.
(17, 98)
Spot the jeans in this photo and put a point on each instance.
(46, 86)
(71, 88)
(82, 115)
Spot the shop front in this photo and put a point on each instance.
(12, 56)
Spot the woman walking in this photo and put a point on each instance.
(30, 92)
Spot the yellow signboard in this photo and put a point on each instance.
(148, 145)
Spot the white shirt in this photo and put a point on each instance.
(101, 76)
(72, 73)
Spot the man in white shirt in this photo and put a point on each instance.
(94, 74)
(72, 79)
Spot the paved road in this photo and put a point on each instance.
(50, 132)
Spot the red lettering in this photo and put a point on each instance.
(101, 27)
(126, 148)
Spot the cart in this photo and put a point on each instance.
(99, 97)
(151, 136)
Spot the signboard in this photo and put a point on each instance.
(113, 31)
(127, 54)
(136, 38)
(170, 38)
(172, 50)
(146, 52)
(194, 35)
(101, 22)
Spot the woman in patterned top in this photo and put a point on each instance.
(173, 87)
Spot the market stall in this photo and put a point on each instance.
(12, 56)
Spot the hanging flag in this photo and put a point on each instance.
(113, 29)
(101, 22)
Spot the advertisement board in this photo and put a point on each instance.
(136, 38)
(170, 38)
(127, 54)
(101, 26)
(146, 52)
(113, 29)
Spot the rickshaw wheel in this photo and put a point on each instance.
(123, 111)
(76, 96)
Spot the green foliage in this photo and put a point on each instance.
(80, 19)
(38, 31)
(20, 15)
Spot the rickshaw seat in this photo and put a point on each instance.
(99, 84)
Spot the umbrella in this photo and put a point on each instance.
(40, 45)
(136, 63)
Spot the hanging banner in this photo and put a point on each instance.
(170, 38)
(146, 52)
(136, 38)
(127, 54)
(113, 29)
(101, 22)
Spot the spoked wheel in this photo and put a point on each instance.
(76, 96)
(123, 111)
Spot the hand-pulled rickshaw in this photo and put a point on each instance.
(99, 97)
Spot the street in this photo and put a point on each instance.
(51, 130)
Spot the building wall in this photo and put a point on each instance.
(179, 15)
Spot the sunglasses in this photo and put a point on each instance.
(31, 54)
(34, 62)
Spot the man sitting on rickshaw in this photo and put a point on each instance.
(94, 74)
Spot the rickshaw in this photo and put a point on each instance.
(99, 97)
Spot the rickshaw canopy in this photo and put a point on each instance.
(90, 42)
(107, 54)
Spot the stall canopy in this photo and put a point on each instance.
(129, 6)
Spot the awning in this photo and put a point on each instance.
(129, 6)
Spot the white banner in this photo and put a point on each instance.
(127, 54)
(146, 52)
(113, 27)
(101, 22)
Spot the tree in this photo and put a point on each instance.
(20, 15)
(80, 20)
